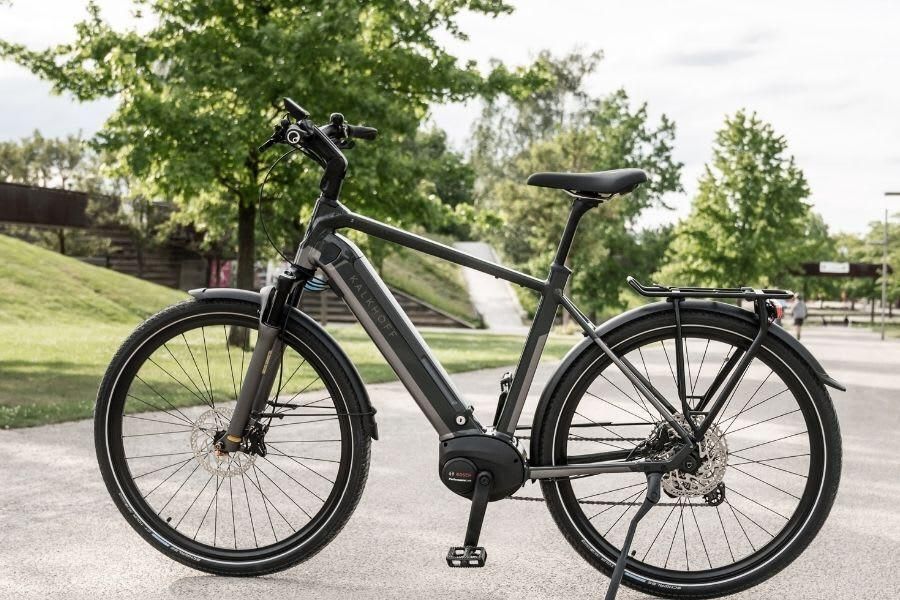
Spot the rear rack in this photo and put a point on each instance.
(747, 293)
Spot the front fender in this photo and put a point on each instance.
(655, 307)
(308, 324)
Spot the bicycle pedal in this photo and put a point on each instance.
(466, 557)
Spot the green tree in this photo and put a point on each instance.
(748, 222)
(199, 90)
(867, 248)
(64, 163)
(446, 174)
(559, 127)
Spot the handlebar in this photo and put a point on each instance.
(295, 134)
(321, 143)
(361, 132)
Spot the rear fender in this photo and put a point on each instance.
(303, 320)
(655, 307)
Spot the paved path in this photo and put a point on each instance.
(63, 538)
(493, 298)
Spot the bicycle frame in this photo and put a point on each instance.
(354, 279)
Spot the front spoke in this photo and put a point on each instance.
(174, 406)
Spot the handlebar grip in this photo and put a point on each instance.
(362, 133)
(266, 146)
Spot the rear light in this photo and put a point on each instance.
(775, 310)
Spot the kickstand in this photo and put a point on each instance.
(653, 481)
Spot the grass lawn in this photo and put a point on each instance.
(54, 375)
(61, 321)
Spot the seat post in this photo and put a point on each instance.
(579, 207)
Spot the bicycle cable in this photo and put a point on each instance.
(262, 217)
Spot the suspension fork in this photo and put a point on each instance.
(277, 300)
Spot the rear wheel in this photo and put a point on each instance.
(169, 393)
(771, 462)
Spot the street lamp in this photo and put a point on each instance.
(884, 254)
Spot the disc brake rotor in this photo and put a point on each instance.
(203, 438)
(713, 451)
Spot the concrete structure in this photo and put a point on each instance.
(493, 298)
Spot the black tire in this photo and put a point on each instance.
(574, 396)
(292, 541)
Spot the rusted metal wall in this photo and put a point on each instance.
(31, 205)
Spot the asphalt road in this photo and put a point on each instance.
(61, 536)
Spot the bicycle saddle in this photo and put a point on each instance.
(601, 184)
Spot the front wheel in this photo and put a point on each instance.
(169, 393)
(770, 463)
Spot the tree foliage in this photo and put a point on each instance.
(199, 90)
(868, 248)
(559, 127)
(48, 162)
(749, 223)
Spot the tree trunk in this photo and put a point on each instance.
(246, 259)
(246, 245)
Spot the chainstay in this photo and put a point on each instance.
(593, 439)
(602, 502)
(594, 502)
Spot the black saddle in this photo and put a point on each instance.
(600, 185)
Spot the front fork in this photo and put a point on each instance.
(277, 301)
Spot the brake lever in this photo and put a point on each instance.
(268, 144)
(277, 135)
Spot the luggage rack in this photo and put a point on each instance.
(747, 293)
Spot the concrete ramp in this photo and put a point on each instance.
(493, 298)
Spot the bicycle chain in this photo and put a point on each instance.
(598, 502)
(593, 439)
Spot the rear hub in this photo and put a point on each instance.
(702, 471)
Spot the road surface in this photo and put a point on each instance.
(63, 538)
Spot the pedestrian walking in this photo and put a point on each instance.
(798, 312)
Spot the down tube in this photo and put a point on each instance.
(354, 279)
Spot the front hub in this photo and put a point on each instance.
(207, 430)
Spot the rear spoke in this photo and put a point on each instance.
(752, 396)
(796, 410)
(700, 369)
(694, 533)
(663, 526)
(638, 417)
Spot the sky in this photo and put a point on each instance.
(824, 73)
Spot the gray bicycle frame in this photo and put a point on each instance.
(353, 278)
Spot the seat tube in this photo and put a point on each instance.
(534, 347)
(542, 323)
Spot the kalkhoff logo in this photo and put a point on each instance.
(375, 312)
